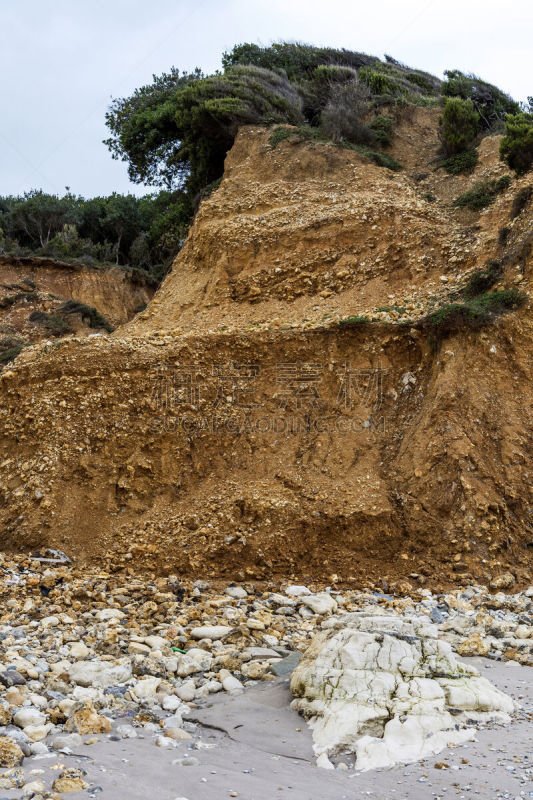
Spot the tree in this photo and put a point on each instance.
(122, 222)
(459, 125)
(516, 147)
(38, 217)
(177, 131)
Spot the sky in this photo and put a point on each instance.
(62, 61)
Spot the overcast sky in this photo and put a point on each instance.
(61, 62)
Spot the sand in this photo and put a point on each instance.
(256, 748)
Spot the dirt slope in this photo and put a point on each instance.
(236, 429)
(43, 285)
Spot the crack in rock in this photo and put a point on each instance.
(389, 696)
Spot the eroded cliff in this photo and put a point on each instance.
(239, 427)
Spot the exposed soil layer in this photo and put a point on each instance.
(237, 429)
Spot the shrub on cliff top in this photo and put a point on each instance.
(516, 147)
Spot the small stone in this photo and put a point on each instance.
(146, 688)
(126, 732)
(505, 581)
(79, 650)
(11, 754)
(322, 603)
(87, 720)
(297, 591)
(29, 716)
(237, 592)
(33, 788)
(213, 632)
(71, 780)
(66, 741)
(474, 645)
(231, 684)
(186, 691)
(177, 734)
(171, 703)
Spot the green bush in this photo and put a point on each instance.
(483, 280)
(503, 236)
(521, 200)
(482, 194)
(11, 299)
(516, 147)
(382, 125)
(377, 82)
(461, 163)
(458, 126)
(490, 103)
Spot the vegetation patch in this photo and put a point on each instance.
(88, 314)
(382, 126)
(53, 323)
(354, 320)
(397, 309)
(516, 147)
(10, 347)
(482, 194)
(379, 158)
(483, 280)
(474, 313)
(11, 299)
(461, 163)
(279, 134)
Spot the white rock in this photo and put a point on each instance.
(322, 603)
(163, 741)
(201, 657)
(155, 642)
(146, 688)
(39, 749)
(79, 650)
(100, 673)
(138, 648)
(186, 691)
(49, 622)
(211, 632)
(237, 592)
(38, 701)
(171, 703)
(297, 591)
(33, 787)
(126, 731)
(175, 721)
(187, 666)
(109, 614)
(36, 733)
(230, 683)
(29, 716)
(66, 741)
(374, 687)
